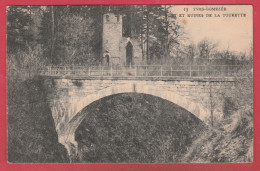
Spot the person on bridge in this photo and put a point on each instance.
(106, 56)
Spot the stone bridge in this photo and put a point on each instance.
(68, 97)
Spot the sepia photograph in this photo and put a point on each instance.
(130, 84)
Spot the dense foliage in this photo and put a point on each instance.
(31, 131)
(231, 138)
(136, 128)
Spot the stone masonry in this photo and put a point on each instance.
(70, 96)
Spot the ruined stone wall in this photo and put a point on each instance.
(137, 51)
(115, 44)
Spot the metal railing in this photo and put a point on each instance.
(148, 71)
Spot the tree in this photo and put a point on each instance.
(191, 53)
(52, 32)
(206, 49)
(66, 33)
(19, 34)
(74, 39)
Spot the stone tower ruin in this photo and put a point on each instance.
(118, 50)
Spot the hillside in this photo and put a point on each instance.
(230, 141)
(32, 136)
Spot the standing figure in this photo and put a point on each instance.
(106, 58)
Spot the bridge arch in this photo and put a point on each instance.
(67, 134)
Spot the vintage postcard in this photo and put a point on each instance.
(130, 84)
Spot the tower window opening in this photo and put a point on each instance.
(126, 26)
(118, 18)
(107, 18)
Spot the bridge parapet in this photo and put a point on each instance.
(147, 72)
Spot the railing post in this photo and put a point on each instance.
(209, 69)
(161, 71)
(228, 70)
(190, 70)
(49, 71)
(111, 71)
(135, 71)
(171, 71)
(89, 71)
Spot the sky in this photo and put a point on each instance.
(231, 33)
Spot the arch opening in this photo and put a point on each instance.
(79, 116)
(113, 127)
(67, 133)
(123, 93)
